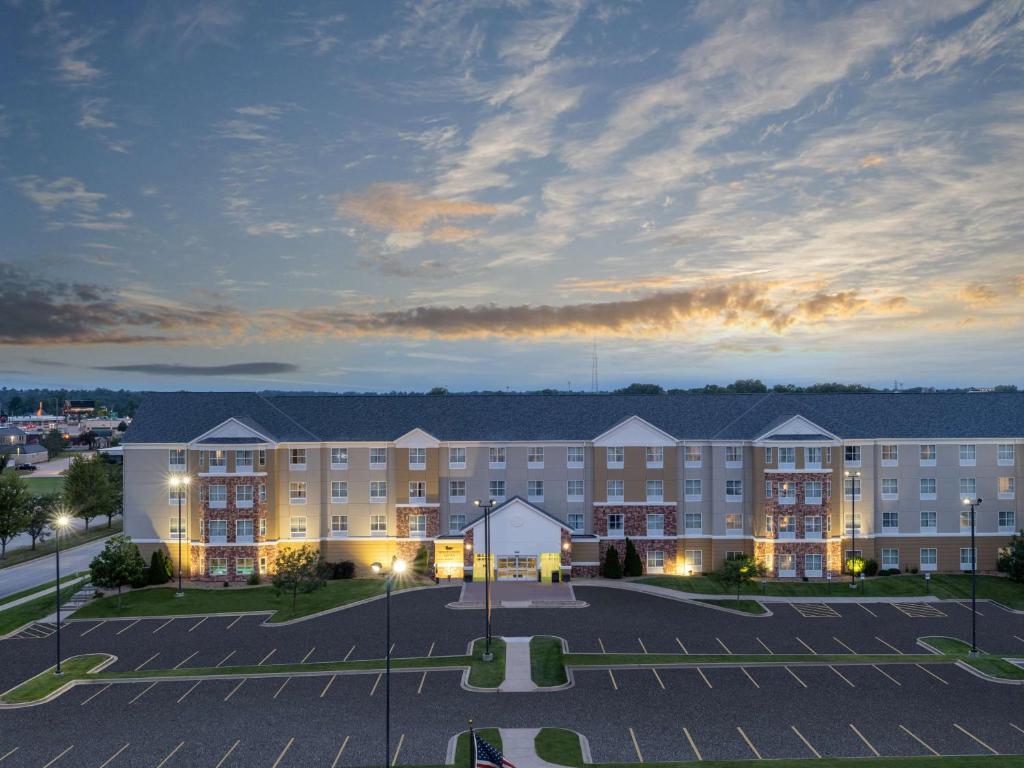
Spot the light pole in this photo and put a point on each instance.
(59, 523)
(487, 506)
(180, 484)
(397, 567)
(972, 503)
(854, 478)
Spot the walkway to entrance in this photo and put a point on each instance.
(511, 594)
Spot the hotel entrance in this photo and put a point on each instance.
(517, 567)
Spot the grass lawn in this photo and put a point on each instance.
(42, 485)
(747, 606)
(490, 735)
(160, 601)
(97, 530)
(987, 663)
(488, 674)
(47, 682)
(558, 746)
(546, 667)
(40, 588)
(33, 610)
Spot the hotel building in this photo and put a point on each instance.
(692, 480)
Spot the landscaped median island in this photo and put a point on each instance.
(547, 668)
(986, 663)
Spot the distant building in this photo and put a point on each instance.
(79, 409)
(14, 445)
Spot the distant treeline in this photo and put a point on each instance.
(23, 402)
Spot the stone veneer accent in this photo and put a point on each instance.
(775, 546)
(467, 551)
(402, 521)
(231, 513)
(634, 518)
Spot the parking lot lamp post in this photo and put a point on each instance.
(397, 567)
(972, 503)
(180, 484)
(59, 523)
(487, 507)
(854, 481)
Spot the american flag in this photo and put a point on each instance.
(489, 757)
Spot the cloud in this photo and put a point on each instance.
(261, 110)
(178, 369)
(979, 294)
(870, 161)
(92, 117)
(404, 208)
(619, 285)
(317, 35)
(65, 191)
(450, 234)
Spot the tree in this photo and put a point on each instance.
(41, 508)
(54, 442)
(738, 571)
(612, 568)
(297, 570)
(631, 564)
(87, 488)
(115, 486)
(640, 389)
(160, 569)
(421, 563)
(14, 510)
(1011, 558)
(438, 391)
(747, 386)
(118, 565)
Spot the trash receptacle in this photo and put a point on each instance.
(554, 577)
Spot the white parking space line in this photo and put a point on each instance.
(750, 677)
(423, 679)
(227, 754)
(844, 677)
(658, 678)
(90, 629)
(968, 733)
(264, 659)
(125, 629)
(968, 607)
(58, 757)
(867, 743)
(398, 749)
(639, 755)
(169, 756)
(888, 645)
(143, 692)
(232, 691)
(726, 647)
(873, 614)
(286, 681)
(283, 752)
(816, 610)
(1018, 637)
(843, 644)
(693, 745)
(919, 610)
(186, 693)
(341, 749)
(795, 677)
(308, 655)
(327, 687)
(1017, 727)
(918, 739)
(925, 669)
(8, 754)
(600, 643)
(805, 645)
(376, 683)
(612, 676)
(181, 663)
(642, 646)
(680, 642)
(749, 743)
(147, 661)
(237, 619)
(221, 662)
(887, 674)
(195, 626)
(101, 690)
(807, 744)
(429, 652)
(763, 645)
(391, 650)
(349, 653)
(704, 677)
(162, 626)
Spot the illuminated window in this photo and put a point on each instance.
(655, 457)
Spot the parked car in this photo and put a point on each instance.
(26, 467)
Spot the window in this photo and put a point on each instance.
(734, 490)
(417, 492)
(655, 457)
(178, 533)
(616, 457)
(218, 566)
(576, 521)
(535, 457)
(968, 455)
(769, 487)
(243, 461)
(261, 458)
(768, 456)
(692, 490)
(928, 489)
(218, 461)
(456, 522)
(787, 458)
(417, 526)
(263, 527)
(417, 458)
(243, 566)
(694, 523)
(296, 493)
(693, 456)
(176, 461)
(378, 458)
(655, 561)
(173, 494)
(243, 531)
(853, 524)
(890, 522)
(734, 554)
(733, 524)
(615, 490)
(828, 488)
(339, 458)
(967, 557)
(787, 493)
(968, 488)
(852, 455)
(616, 522)
(928, 520)
(217, 531)
(655, 524)
(693, 561)
(496, 458)
(1007, 487)
(574, 457)
(574, 490)
(769, 524)
(812, 492)
(339, 492)
(812, 458)
(496, 490)
(339, 525)
(378, 525)
(927, 455)
(378, 491)
(457, 491)
(787, 526)
(297, 527)
(890, 488)
(297, 458)
(812, 565)
(965, 519)
(929, 558)
(535, 490)
(851, 488)
(1007, 521)
(457, 458)
(733, 456)
(218, 496)
(787, 565)
(890, 455)
(1005, 454)
(263, 564)
(890, 557)
(243, 496)
(655, 490)
(828, 454)
(262, 491)
(812, 527)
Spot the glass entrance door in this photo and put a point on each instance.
(517, 567)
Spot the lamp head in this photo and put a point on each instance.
(186, 480)
(476, 502)
(376, 567)
(398, 566)
(62, 521)
(173, 481)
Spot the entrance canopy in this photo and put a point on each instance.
(525, 541)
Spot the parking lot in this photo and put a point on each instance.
(649, 715)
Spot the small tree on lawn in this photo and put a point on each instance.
(87, 488)
(160, 569)
(421, 563)
(15, 513)
(41, 507)
(1011, 558)
(612, 568)
(297, 570)
(631, 564)
(118, 565)
(739, 571)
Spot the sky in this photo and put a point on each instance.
(380, 196)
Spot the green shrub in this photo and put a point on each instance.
(871, 567)
(254, 579)
(160, 568)
(346, 569)
(612, 568)
(631, 564)
(141, 579)
(421, 563)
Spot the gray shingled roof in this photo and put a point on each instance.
(176, 417)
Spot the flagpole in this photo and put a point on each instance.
(472, 745)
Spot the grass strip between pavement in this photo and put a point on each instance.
(38, 588)
(547, 667)
(33, 610)
(747, 606)
(98, 530)
(987, 663)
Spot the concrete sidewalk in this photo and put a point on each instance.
(838, 597)
(518, 747)
(518, 678)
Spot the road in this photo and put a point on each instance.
(42, 569)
